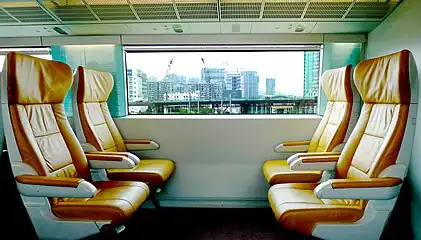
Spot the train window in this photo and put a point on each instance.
(223, 80)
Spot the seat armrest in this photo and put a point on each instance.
(296, 156)
(141, 144)
(109, 161)
(325, 163)
(43, 186)
(131, 156)
(367, 189)
(297, 146)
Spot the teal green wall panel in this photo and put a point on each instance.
(108, 58)
(336, 55)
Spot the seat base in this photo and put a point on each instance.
(296, 207)
(278, 172)
(153, 172)
(114, 201)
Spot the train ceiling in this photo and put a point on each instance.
(70, 12)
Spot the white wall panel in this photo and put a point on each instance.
(20, 42)
(217, 157)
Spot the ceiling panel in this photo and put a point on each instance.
(236, 13)
(282, 27)
(235, 28)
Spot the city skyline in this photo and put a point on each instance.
(287, 68)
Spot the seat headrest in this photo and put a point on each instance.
(94, 85)
(384, 79)
(33, 80)
(336, 84)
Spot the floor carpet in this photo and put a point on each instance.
(199, 223)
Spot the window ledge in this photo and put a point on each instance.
(222, 117)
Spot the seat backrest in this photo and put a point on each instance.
(336, 84)
(33, 91)
(374, 145)
(94, 124)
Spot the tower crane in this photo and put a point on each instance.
(167, 84)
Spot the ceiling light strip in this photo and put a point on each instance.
(305, 9)
(133, 10)
(91, 10)
(49, 12)
(175, 9)
(262, 9)
(349, 9)
(10, 15)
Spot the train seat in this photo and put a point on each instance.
(372, 166)
(51, 171)
(96, 129)
(328, 137)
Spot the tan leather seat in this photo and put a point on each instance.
(330, 133)
(47, 160)
(368, 177)
(99, 130)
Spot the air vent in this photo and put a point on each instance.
(327, 9)
(284, 9)
(30, 14)
(5, 18)
(240, 10)
(163, 11)
(197, 10)
(114, 10)
(368, 10)
(71, 11)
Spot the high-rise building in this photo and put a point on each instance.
(270, 86)
(136, 85)
(232, 85)
(158, 91)
(213, 75)
(193, 80)
(311, 73)
(250, 84)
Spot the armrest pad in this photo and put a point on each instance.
(369, 189)
(109, 161)
(325, 163)
(296, 143)
(296, 156)
(365, 183)
(296, 146)
(43, 186)
(49, 181)
(141, 144)
(131, 156)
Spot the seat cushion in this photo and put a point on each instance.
(278, 171)
(153, 172)
(114, 201)
(297, 208)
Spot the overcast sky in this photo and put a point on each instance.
(286, 67)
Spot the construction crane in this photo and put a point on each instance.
(166, 78)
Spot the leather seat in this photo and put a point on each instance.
(370, 169)
(95, 126)
(330, 133)
(50, 168)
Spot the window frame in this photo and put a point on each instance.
(148, 48)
